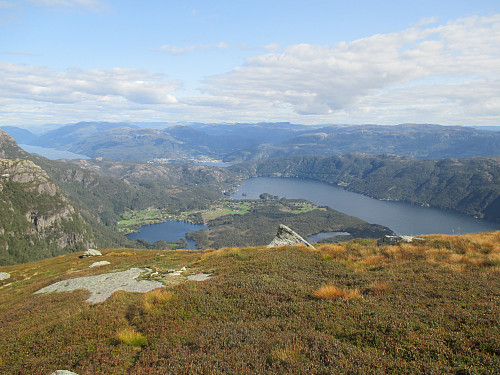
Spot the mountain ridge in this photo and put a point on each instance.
(241, 142)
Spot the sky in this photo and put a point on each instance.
(306, 62)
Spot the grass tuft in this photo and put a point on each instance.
(380, 288)
(156, 299)
(131, 337)
(288, 353)
(331, 291)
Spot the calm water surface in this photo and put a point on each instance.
(170, 230)
(402, 218)
(52, 153)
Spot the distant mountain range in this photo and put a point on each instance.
(241, 142)
(97, 193)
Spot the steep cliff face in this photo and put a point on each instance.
(36, 219)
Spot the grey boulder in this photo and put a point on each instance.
(287, 237)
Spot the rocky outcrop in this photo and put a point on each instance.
(9, 148)
(36, 219)
(287, 237)
(91, 253)
(103, 286)
(99, 264)
(394, 240)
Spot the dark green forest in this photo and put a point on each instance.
(470, 186)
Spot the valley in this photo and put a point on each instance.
(115, 197)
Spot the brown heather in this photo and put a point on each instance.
(429, 307)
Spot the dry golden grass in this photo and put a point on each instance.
(290, 353)
(156, 299)
(131, 337)
(457, 267)
(331, 291)
(380, 288)
(119, 254)
(307, 249)
(374, 260)
(332, 252)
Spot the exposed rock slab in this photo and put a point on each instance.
(394, 240)
(63, 372)
(4, 276)
(200, 277)
(98, 264)
(103, 286)
(91, 253)
(287, 237)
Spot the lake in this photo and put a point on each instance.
(51, 153)
(170, 230)
(402, 218)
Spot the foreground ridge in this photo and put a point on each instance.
(427, 306)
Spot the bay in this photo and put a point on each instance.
(402, 218)
(51, 153)
(322, 235)
(169, 230)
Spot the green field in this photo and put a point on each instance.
(133, 220)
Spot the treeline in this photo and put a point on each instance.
(470, 186)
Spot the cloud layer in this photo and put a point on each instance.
(76, 86)
(454, 67)
(427, 73)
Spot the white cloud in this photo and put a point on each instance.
(430, 73)
(448, 69)
(181, 50)
(42, 84)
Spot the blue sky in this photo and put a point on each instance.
(384, 62)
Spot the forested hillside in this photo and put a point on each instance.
(36, 219)
(470, 186)
(104, 191)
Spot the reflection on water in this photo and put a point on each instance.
(321, 236)
(52, 153)
(402, 218)
(169, 231)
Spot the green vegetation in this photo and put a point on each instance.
(36, 220)
(133, 220)
(130, 336)
(427, 307)
(259, 224)
(470, 186)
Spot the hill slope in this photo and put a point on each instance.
(36, 219)
(420, 141)
(427, 307)
(240, 142)
(470, 186)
